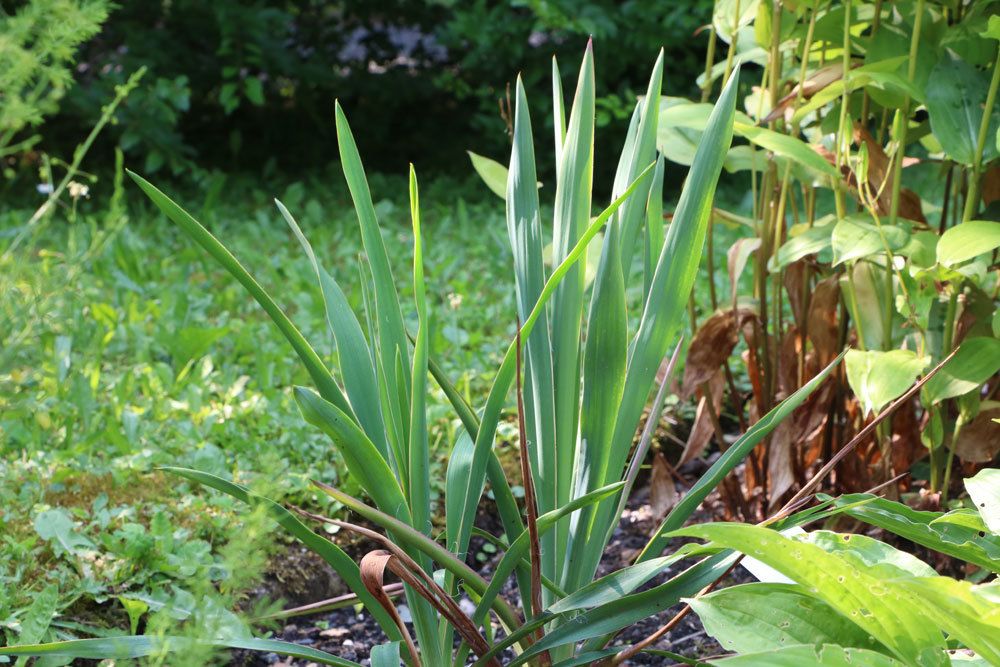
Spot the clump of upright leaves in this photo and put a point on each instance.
(587, 379)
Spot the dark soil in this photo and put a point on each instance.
(300, 578)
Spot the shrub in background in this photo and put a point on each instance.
(239, 85)
(38, 45)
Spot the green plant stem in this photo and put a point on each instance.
(731, 52)
(876, 22)
(842, 133)
(121, 92)
(972, 198)
(706, 88)
(950, 320)
(904, 115)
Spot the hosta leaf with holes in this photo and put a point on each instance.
(880, 377)
(883, 610)
(825, 655)
(870, 554)
(984, 490)
(967, 612)
(762, 617)
(925, 528)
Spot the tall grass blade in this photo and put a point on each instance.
(505, 375)
(420, 478)
(572, 212)
(357, 372)
(391, 334)
(524, 230)
(665, 305)
(142, 646)
(361, 457)
(318, 371)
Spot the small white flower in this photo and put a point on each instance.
(454, 300)
(77, 190)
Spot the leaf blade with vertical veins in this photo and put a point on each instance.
(880, 608)
(760, 617)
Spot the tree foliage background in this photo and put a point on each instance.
(249, 85)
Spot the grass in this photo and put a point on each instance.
(146, 354)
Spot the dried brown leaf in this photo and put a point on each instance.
(662, 490)
(979, 440)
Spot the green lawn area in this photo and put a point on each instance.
(127, 348)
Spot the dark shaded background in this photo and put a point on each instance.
(248, 86)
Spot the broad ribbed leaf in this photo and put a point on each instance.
(954, 539)
(808, 241)
(825, 655)
(875, 557)
(984, 491)
(969, 613)
(855, 237)
(877, 606)
(879, 377)
(967, 240)
(765, 617)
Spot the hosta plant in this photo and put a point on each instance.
(840, 599)
(588, 372)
